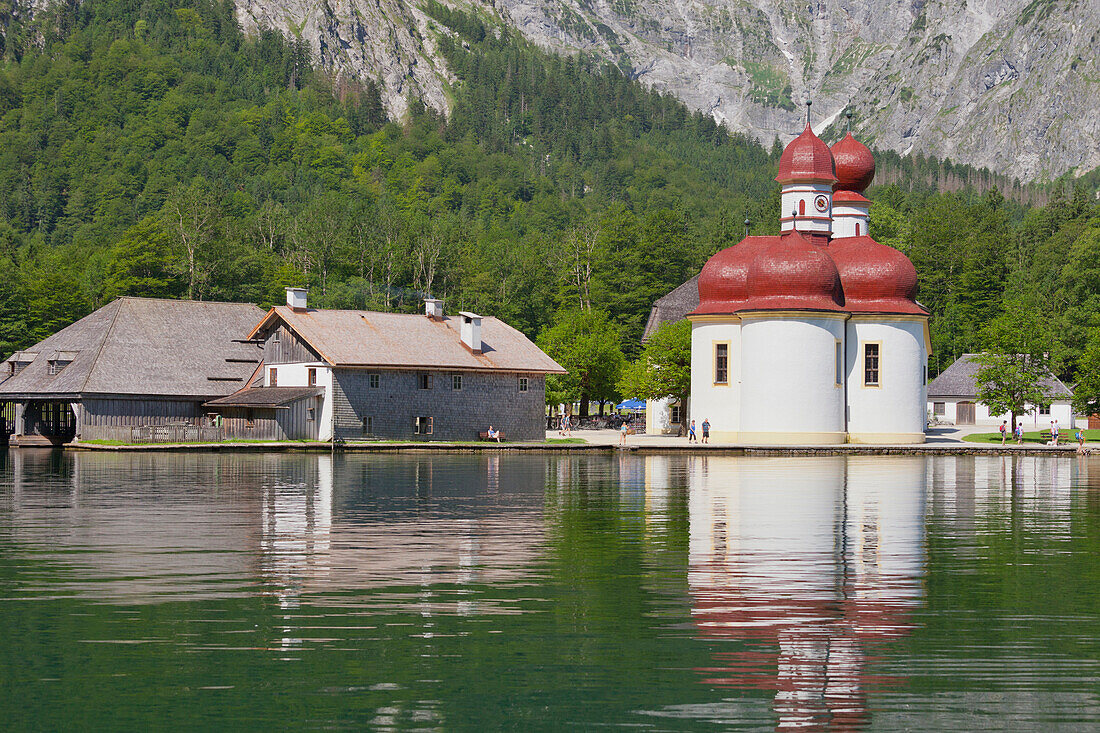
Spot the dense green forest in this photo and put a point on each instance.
(151, 148)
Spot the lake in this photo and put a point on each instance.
(539, 592)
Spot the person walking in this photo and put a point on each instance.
(1054, 432)
(691, 433)
(1004, 431)
(1080, 436)
(623, 430)
(706, 430)
(1019, 433)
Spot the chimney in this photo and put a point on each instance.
(471, 331)
(296, 298)
(433, 309)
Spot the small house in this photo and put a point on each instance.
(953, 398)
(134, 364)
(362, 375)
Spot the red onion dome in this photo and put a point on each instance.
(791, 273)
(855, 165)
(875, 278)
(722, 286)
(807, 158)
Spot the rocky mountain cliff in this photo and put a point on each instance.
(1012, 85)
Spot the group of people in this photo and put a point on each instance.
(692, 438)
(1055, 433)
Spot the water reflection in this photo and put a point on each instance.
(670, 592)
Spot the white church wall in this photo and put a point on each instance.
(894, 410)
(850, 219)
(789, 391)
(720, 403)
(658, 417)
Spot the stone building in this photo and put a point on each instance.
(136, 363)
(398, 376)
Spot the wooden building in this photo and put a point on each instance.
(362, 375)
(134, 364)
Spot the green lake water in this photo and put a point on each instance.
(531, 592)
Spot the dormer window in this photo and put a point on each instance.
(54, 366)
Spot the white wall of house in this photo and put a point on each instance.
(297, 375)
(658, 417)
(789, 390)
(720, 403)
(1060, 410)
(894, 410)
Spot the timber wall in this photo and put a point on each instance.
(485, 399)
(289, 423)
(101, 418)
(288, 349)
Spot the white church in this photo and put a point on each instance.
(814, 336)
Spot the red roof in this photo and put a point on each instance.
(843, 196)
(855, 165)
(807, 158)
(875, 278)
(792, 273)
(723, 281)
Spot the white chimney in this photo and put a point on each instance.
(471, 331)
(296, 298)
(433, 309)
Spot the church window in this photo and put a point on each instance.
(721, 363)
(857, 229)
(802, 207)
(871, 356)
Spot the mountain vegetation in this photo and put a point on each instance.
(150, 147)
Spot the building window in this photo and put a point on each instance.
(523, 384)
(311, 376)
(249, 420)
(839, 363)
(721, 363)
(423, 426)
(802, 207)
(857, 229)
(870, 365)
(425, 381)
(276, 338)
(368, 425)
(675, 417)
(311, 413)
(1044, 409)
(274, 379)
(56, 365)
(374, 381)
(939, 408)
(456, 381)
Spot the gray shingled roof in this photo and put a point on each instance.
(402, 340)
(959, 380)
(265, 397)
(145, 347)
(673, 307)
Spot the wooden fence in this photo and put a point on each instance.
(161, 434)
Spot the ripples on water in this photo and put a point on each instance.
(549, 592)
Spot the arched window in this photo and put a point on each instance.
(802, 207)
(857, 229)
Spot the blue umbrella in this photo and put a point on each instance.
(631, 404)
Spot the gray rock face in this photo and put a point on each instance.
(1012, 85)
(388, 41)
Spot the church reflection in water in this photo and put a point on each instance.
(801, 571)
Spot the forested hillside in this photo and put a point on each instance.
(150, 148)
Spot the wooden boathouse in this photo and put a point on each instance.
(136, 364)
